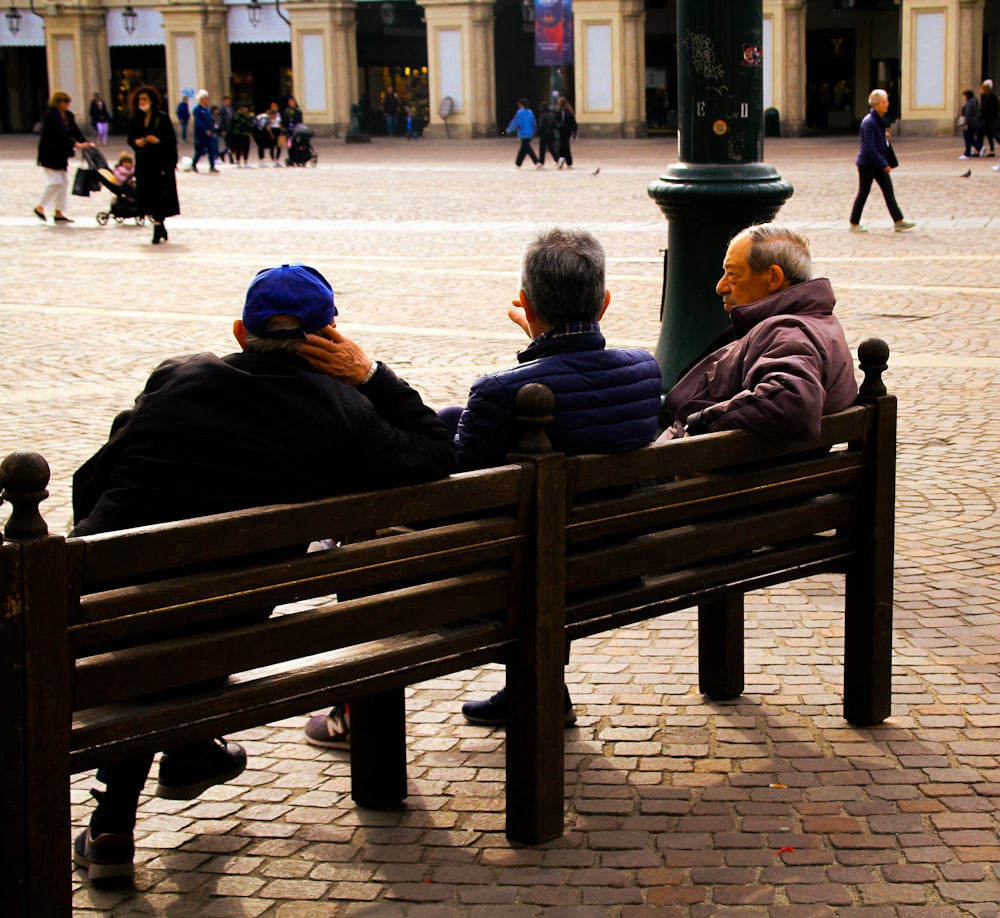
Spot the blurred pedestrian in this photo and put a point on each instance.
(566, 125)
(274, 128)
(204, 132)
(989, 111)
(969, 121)
(390, 107)
(100, 118)
(184, 116)
(152, 136)
(59, 139)
(524, 125)
(226, 115)
(547, 133)
(240, 129)
(873, 164)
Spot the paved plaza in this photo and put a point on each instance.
(769, 805)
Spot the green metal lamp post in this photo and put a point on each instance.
(720, 184)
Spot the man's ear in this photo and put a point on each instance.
(529, 310)
(240, 333)
(776, 279)
(604, 308)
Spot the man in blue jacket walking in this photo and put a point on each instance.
(524, 125)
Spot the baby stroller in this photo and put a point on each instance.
(300, 148)
(123, 206)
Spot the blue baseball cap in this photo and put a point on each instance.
(288, 290)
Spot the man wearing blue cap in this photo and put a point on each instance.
(300, 413)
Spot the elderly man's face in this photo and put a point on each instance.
(738, 285)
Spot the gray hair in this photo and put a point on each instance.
(775, 244)
(877, 95)
(202, 94)
(258, 344)
(563, 276)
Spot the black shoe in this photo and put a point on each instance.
(493, 711)
(159, 232)
(107, 857)
(38, 212)
(184, 779)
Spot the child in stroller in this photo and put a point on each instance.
(124, 206)
(300, 149)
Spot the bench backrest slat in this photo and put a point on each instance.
(174, 663)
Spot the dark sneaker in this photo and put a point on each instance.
(107, 857)
(183, 778)
(331, 731)
(493, 711)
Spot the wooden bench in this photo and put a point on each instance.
(496, 566)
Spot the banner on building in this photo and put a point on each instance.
(553, 33)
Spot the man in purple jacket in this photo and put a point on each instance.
(787, 363)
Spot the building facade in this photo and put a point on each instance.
(460, 65)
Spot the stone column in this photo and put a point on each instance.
(970, 44)
(325, 62)
(197, 49)
(76, 49)
(461, 65)
(785, 62)
(941, 54)
(609, 58)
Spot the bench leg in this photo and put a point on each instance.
(720, 647)
(378, 750)
(868, 644)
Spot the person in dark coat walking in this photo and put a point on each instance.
(152, 136)
(100, 118)
(989, 111)
(873, 164)
(184, 116)
(970, 123)
(546, 133)
(59, 139)
(566, 125)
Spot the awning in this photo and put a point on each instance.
(271, 28)
(31, 33)
(148, 28)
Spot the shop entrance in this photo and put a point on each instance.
(392, 52)
(261, 74)
(830, 79)
(24, 92)
(133, 66)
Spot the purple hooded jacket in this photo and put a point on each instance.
(789, 365)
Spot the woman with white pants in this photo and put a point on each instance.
(59, 140)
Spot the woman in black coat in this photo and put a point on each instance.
(60, 138)
(566, 125)
(152, 136)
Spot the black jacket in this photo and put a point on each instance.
(155, 165)
(58, 139)
(211, 434)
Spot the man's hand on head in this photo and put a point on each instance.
(328, 351)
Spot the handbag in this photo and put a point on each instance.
(890, 156)
(83, 183)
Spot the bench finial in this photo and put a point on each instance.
(535, 404)
(873, 358)
(23, 477)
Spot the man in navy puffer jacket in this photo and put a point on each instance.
(606, 400)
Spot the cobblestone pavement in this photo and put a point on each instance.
(770, 805)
